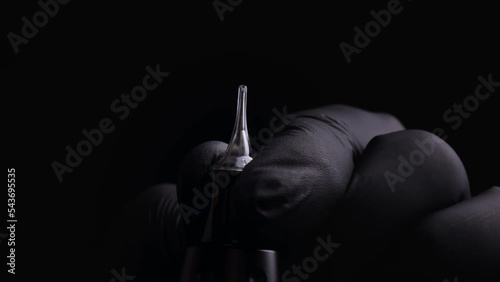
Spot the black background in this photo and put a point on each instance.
(65, 78)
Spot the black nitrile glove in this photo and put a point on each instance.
(334, 176)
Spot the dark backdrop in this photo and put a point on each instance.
(65, 79)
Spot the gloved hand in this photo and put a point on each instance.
(339, 171)
(322, 164)
(336, 170)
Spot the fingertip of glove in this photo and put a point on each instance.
(428, 156)
(412, 172)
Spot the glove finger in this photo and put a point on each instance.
(464, 237)
(192, 189)
(400, 178)
(361, 125)
(147, 241)
(295, 180)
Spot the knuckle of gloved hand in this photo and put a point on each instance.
(391, 121)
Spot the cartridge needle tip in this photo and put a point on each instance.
(237, 155)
